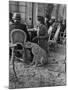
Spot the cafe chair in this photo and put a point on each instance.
(18, 38)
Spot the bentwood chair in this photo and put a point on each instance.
(18, 39)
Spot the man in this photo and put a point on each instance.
(18, 25)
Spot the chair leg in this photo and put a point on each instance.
(12, 55)
(13, 61)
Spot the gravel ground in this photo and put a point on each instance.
(52, 74)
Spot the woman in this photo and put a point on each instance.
(43, 34)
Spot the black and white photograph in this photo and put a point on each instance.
(37, 44)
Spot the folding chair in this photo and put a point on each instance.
(50, 30)
(53, 37)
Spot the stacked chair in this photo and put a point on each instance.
(53, 36)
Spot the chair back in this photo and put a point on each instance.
(18, 36)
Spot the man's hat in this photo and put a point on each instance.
(16, 16)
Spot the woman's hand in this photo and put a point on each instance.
(35, 38)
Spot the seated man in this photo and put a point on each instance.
(18, 25)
